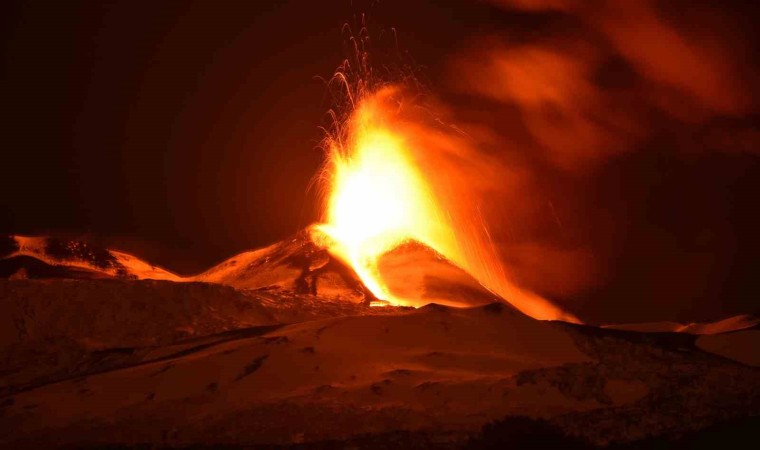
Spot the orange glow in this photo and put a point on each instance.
(391, 178)
(378, 197)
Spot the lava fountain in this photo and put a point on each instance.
(378, 198)
(385, 184)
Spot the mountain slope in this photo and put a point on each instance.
(52, 329)
(301, 265)
(297, 265)
(439, 371)
(734, 323)
(420, 275)
(46, 257)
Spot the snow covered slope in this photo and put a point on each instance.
(735, 323)
(440, 371)
(45, 257)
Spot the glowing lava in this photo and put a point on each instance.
(378, 198)
(387, 183)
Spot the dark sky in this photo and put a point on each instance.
(186, 131)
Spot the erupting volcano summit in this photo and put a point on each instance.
(538, 232)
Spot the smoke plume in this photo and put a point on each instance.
(613, 146)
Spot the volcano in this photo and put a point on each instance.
(298, 266)
(363, 224)
(284, 347)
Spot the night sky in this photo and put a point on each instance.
(189, 127)
(187, 131)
